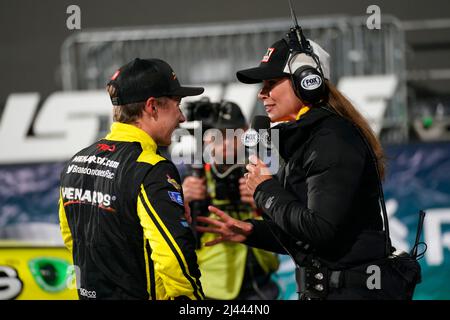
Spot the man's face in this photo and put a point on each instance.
(168, 119)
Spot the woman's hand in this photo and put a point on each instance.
(228, 228)
(257, 173)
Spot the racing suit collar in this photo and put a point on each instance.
(129, 133)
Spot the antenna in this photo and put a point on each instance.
(298, 41)
(297, 31)
(294, 17)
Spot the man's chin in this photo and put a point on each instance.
(164, 143)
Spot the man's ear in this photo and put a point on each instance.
(150, 107)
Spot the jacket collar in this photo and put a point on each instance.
(293, 134)
(302, 111)
(129, 133)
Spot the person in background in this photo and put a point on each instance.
(229, 270)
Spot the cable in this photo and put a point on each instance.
(226, 173)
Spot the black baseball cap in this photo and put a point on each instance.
(271, 67)
(277, 63)
(143, 78)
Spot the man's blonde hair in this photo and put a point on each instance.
(132, 112)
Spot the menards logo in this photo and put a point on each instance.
(77, 196)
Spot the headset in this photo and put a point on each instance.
(308, 82)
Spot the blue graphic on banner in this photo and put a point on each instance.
(29, 193)
(418, 177)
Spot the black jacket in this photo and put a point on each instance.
(122, 217)
(324, 200)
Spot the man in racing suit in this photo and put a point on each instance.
(121, 208)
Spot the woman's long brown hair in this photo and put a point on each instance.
(345, 108)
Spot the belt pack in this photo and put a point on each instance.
(313, 281)
(399, 275)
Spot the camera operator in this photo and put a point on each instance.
(229, 270)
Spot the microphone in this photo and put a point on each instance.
(262, 125)
(257, 134)
(197, 170)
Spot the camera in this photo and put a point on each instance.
(202, 110)
(219, 115)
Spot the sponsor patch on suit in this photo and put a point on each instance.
(176, 197)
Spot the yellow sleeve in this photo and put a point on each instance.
(170, 237)
(64, 225)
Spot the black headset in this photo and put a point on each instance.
(308, 82)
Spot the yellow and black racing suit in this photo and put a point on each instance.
(122, 217)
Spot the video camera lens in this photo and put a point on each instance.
(220, 115)
(202, 110)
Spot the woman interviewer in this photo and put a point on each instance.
(322, 207)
